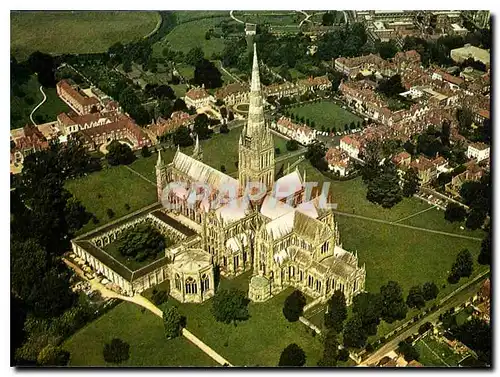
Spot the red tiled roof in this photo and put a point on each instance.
(197, 93)
(76, 95)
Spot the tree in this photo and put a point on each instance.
(392, 86)
(462, 267)
(206, 74)
(194, 56)
(127, 66)
(116, 351)
(52, 356)
(316, 155)
(230, 306)
(110, 213)
(223, 112)
(384, 189)
(119, 154)
(172, 322)
(425, 327)
(387, 50)
(330, 350)
(475, 220)
(223, 168)
(145, 151)
(179, 105)
(292, 356)
(445, 133)
(328, 18)
(201, 124)
(224, 129)
(182, 137)
(430, 290)
(336, 311)
(409, 352)
(465, 119)
(393, 305)
(343, 354)
(455, 212)
(371, 157)
(485, 254)
(292, 145)
(142, 242)
(411, 183)
(293, 307)
(367, 306)
(354, 335)
(415, 297)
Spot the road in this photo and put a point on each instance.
(305, 19)
(234, 18)
(37, 106)
(457, 297)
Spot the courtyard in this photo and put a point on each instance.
(434, 353)
(325, 114)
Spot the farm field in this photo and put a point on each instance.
(111, 188)
(325, 114)
(42, 30)
(143, 331)
(21, 106)
(191, 34)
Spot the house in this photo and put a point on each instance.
(25, 141)
(74, 98)
(233, 94)
(302, 133)
(426, 170)
(463, 53)
(123, 128)
(350, 145)
(482, 309)
(441, 165)
(197, 98)
(286, 89)
(312, 84)
(481, 115)
(478, 151)
(338, 161)
(166, 126)
(71, 122)
(402, 160)
(473, 172)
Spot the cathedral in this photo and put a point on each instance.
(282, 236)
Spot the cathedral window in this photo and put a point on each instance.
(205, 283)
(318, 285)
(355, 284)
(236, 261)
(310, 281)
(301, 275)
(191, 286)
(177, 282)
(291, 271)
(327, 285)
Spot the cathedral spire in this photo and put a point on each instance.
(197, 152)
(256, 123)
(160, 161)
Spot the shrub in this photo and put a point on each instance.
(117, 351)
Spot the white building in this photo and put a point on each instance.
(197, 98)
(478, 151)
(350, 146)
(301, 133)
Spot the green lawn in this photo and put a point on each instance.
(111, 188)
(407, 256)
(21, 108)
(185, 70)
(188, 35)
(436, 354)
(143, 331)
(326, 114)
(74, 32)
(258, 341)
(188, 15)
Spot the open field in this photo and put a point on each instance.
(143, 331)
(131, 263)
(21, 108)
(43, 31)
(111, 188)
(326, 114)
(258, 341)
(188, 15)
(436, 354)
(186, 36)
(407, 256)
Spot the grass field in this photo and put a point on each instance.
(326, 114)
(436, 354)
(186, 36)
(258, 341)
(111, 188)
(21, 109)
(76, 31)
(143, 331)
(131, 263)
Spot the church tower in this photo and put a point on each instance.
(197, 151)
(256, 145)
(161, 176)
